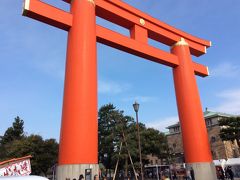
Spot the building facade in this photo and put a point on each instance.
(220, 149)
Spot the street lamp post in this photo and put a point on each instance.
(136, 107)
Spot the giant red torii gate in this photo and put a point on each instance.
(78, 140)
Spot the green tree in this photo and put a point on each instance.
(13, 133)
(112, 125)
(44, 152)
(230, 130)
(15, 144)
(154, 142)
(106, 136)
(126, 136)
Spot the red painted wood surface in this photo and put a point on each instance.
(78, 142)
(193, 128)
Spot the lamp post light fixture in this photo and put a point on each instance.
(136, 108)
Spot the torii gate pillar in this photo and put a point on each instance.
(79, 136)
(78, 141)
(194, 132)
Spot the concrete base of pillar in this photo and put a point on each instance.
(202, 171)
(73, 171)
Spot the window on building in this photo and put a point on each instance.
(176, 129)
(209, 122)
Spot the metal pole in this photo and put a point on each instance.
(139, 146)
(157, 172)
(53, 175)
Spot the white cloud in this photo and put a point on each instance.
(161, 124)
(51, 67)
(111, 87)
(231, 101)
(140, 99)
(226, 69)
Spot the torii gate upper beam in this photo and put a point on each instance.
(78, 139)
(128, 17)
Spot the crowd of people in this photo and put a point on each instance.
(167, 173)
(227, 173)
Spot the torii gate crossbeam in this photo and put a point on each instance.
(78, 140)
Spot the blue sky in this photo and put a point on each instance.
(32, 62)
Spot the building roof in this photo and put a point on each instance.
(14, 160)
(233, 161)
(166, 133)
(207, 114)
(210, 114)
(174, 125)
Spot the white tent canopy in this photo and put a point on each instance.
(219, 162)
(233, 161)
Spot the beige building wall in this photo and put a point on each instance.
(175, 143)
(219, 149)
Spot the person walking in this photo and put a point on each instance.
(229, 172)
(81, 177)
(165, 177)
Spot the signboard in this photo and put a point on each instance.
(20, 168)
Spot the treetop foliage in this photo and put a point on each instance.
(230, 130)
(13, 133)
(114, 128)
(112, 124)
(15, 144)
